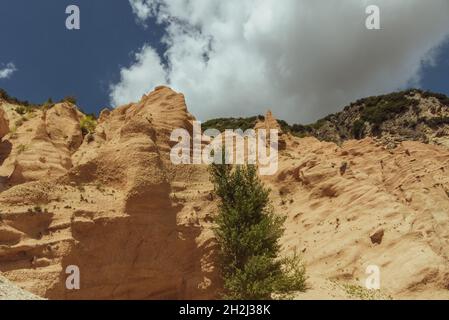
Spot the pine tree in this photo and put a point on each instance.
(248, 234)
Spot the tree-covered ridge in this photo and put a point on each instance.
(364, 117)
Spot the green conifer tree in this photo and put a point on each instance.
(248, 233)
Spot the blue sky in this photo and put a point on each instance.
(52, 61)
(436, 77)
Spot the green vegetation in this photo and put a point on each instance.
(301, 131)
(443, 99)
(12, 100)
(378, 109)
(373, 111)
(436, 122)
(359, 292)
(248, 235)
(88, 124)
(23, 110)
(223, 124)
(70, 99)
(357, 129)
(397, 102)
(244, 124)
(48, 104)
(24, 107)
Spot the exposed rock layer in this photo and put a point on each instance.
(113, 205)
(139, 227)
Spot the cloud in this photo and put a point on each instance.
(7, 71)
(302, 59)
(142, 10)
(135, 81)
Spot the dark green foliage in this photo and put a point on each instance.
(223, 124)
(285, 127)
(373, 110)
(23, 110)
(443, 99)
(301, 131)
(436, 122)
(379, 109)
(244, 124)
(70, 99)
(357, 129)
(12, 100)
(382, 108)
(48, 105)
(248, 235)
(319, 124)
(24, 106)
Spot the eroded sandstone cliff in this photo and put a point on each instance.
(139, 227)
(113, 205)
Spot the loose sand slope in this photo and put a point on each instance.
(361, 205)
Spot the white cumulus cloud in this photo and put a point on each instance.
(302, 59)
(7, 71)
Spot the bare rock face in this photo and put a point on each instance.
(389, 209)
(4, 124)
(270, 123)
(113, 205)
(44, 143)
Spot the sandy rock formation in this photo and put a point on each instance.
(41, 143)
(390, 208)
(139, 227)
(270, 123)
(117, 210)
(4, 124)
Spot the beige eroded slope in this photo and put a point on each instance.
(139, 227)
(337, 198)
(119, 212)
(4, 123)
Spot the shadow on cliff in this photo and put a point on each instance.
(141, 255)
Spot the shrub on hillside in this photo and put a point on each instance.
(21, 110)
(222, 124)
(12, 100)
(88, 124)
(437, 122)
(442, 98)
(70, 99)
(358, 128)
(380, 109)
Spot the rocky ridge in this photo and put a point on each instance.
(411, 115)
